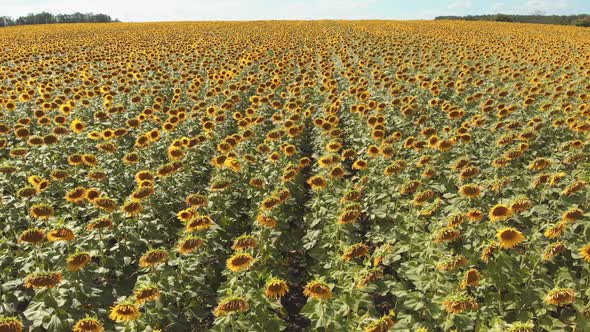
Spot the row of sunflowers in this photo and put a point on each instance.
(318, 176)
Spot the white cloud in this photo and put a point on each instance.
(460, 4)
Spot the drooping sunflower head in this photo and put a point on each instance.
(78, 261)
(153, 257)
(43, 279)
(509, 237)
(124, 312)
(61, 234)
(190, 244)
(146, 293)
(317, 182)
(553, 250)
(239, 261)
(382, 324)
(33, 236)
(42, 211)
(132, 208)
(355, 251)
(76, 195)
(10, 324)
(198, 223)
(459, 302)
(500, 213)
(231, 304)
(560, 296)
(100, 223)
(88, 324)
(266, 221)
(318, 289)
(471, 278)
(244, 242)
(275, 288)
(470, 190)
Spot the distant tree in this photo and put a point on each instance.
(48, 18)
(583, 22)
(503, 18)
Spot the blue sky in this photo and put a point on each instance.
(178, 10)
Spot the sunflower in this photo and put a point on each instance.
(60, 234)
(196, 200)
(239, 262)
(355, 251)
(520, 205)
(190, 244)
(560, 296)
(43, 279)
(474, 215)
(199, 223)
(88, 324)
(471, 278)
(500, 213)
(100, 223)
(231, 304)
(470, 191)
(244, 242)
(585, 252)
(458, 303)
(359, 165)
(11, 324)
(153, 257)
(572, 215)
(317, 182)
(76, 195)
(317, 289)
(132, 208)
(124, 312)
(555, 231)
(105, 203)
(370, 276)
(266, 221)
(382, 324)
(447, 235)
(77, 126)
(553, 250)
(41, 211)
(33, 236)
(78, 261)
(146, 293)
(509, 237)
(275, 288)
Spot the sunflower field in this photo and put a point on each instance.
(295, 176)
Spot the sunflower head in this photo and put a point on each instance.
(43, 279)
(78, 261)
(240, 261)
(275, 288)
(153, 257)
(146, 293)
(11, 324)
(560, 296)
(509, 237)
(317, 289)
(230, 305)
(124, 312)
(88, 324)
(500, 212)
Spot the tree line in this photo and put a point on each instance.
(48, 18)
(582, 20)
